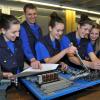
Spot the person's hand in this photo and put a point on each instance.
(95, 65)
(8, 75)
(36, 64)
(63, 66)
(71, 50)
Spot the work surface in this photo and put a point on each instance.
(77, 86)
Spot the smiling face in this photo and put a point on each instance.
(56, 31)
(84, 30)
(95, 33)
(31, 15)
(12, 33)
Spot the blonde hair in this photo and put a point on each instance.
(97, 43)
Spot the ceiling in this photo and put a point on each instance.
(85, 4)
(93, 5)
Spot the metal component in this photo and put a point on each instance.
(56, 86)
(94, 75)
(77, 54)
(74, 71)
(47, 78)
(40, 80)
(82, 62)
(79, 75)
(15, 81)
(50, 82)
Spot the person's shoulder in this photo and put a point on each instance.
(39, 43)
(37, 25)
(70, 33)
(23, 24)
(64, 37)
(22, 27)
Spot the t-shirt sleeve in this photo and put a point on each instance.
(41, 51)
(89, 48)
(65, 42)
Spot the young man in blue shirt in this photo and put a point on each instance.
(30, 32)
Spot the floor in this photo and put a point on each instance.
(22, 93)
(92, 93)
(19, 93)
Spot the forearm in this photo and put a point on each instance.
(88, 64)
(55, 58)
(93, 57)
(76, 61)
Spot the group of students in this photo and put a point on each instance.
(18, 41)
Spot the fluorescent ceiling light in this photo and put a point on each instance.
(58, 6)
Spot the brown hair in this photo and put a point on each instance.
(85, 20)
(7, 20)
(97, 26)
(55, 18)
(30, 6)
(97, 43)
